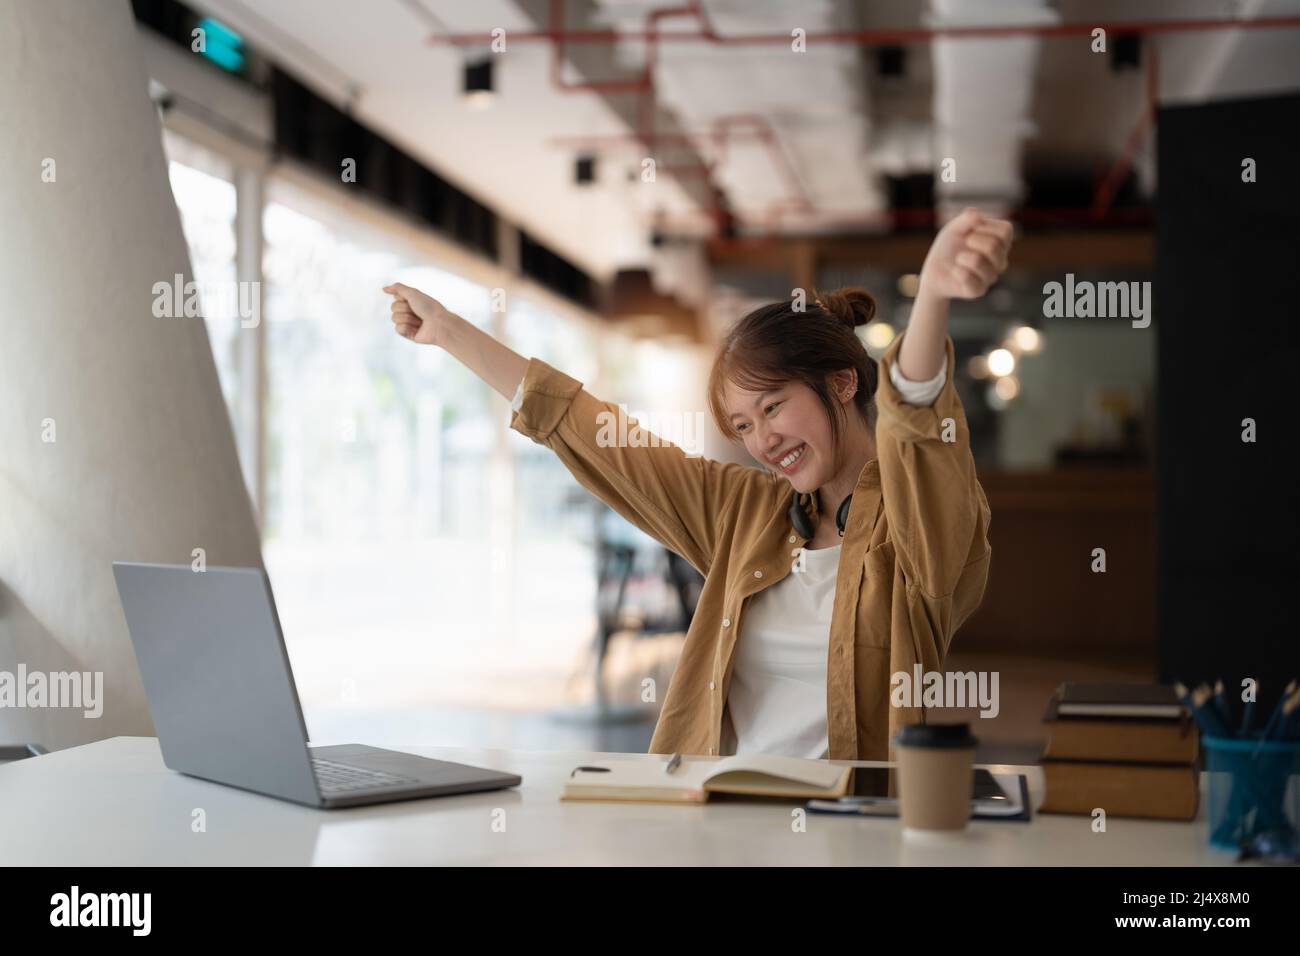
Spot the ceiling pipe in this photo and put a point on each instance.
(1110, 184)
(643, 84)
(645, 105)
(873, 37)
(762, 129)
(1100, 211)
(644, 87)
(729, 128)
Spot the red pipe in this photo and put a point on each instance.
(644, 88)
(557, 64)
(762, 129)
(878, 37)
(1106, 189)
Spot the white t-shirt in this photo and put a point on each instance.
(776, 702)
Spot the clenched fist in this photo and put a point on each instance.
(967, 256)
(416, 316)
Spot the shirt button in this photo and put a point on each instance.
(792, 539)
(710, 751)
(758, 574)
(711, 685)
(726, 622)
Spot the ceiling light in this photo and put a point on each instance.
(879, 335)
(1125, 52)
(891, 61)
(1027, 339)
(1001, 362)
(478, 82)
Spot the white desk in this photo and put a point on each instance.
(114, 803)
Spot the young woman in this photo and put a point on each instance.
(853, 555)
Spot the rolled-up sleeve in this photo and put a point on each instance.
(938, 515)
(917, 393)
(678, 499)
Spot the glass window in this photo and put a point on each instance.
(389, 490)
(414, 541)
(202, 186)
(555, 517)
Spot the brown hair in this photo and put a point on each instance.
(777, 344)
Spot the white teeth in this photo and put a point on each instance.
(791, 458)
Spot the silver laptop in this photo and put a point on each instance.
(224, 704)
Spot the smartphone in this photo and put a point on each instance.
(873, 791)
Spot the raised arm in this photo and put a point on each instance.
(966, 258)
(422, 318)
(682, 501)
(937, 511)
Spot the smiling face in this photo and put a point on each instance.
(787, 430)
(796, 386)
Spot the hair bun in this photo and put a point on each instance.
(853, 306)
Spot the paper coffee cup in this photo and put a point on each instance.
(936, 771)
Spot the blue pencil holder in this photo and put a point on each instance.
(1253, 787)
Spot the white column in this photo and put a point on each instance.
(142, 465)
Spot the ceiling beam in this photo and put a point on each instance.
(801, 258)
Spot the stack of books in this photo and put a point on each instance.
(1128, 749)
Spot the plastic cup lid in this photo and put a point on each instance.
(934, 735)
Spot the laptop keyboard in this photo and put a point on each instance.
(337, 777)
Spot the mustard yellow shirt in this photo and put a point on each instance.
(913, 564)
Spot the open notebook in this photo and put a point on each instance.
(758, 775)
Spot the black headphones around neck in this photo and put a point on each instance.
(802, 521)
